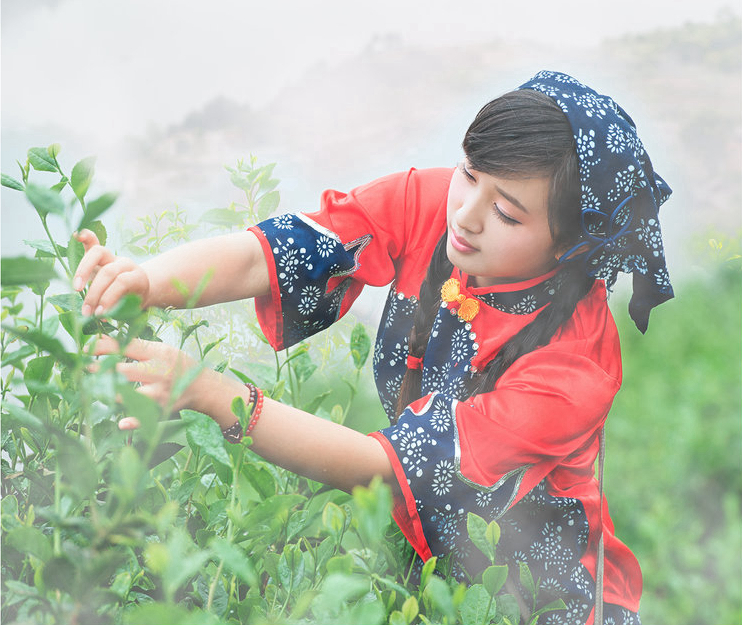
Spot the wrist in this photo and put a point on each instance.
(212, 393)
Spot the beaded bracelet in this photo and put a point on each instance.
(257, 407)
(234, 433)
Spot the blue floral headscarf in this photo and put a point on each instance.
(621, 194)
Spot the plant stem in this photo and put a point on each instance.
(57, 509)
(214, 582)
(60, 258)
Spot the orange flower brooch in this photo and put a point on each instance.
(468, 306)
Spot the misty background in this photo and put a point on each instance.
(167, 93)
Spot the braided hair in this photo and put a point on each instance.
(520, 134)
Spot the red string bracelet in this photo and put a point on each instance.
(234, 433)
(257, 408)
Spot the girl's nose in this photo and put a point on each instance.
(468, 216)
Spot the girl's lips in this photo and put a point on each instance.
(459, 243)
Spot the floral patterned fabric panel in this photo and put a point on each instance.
(427, 445)
(548, 533)
(313, 269)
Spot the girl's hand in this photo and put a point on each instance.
(157, 368)
(111, 277)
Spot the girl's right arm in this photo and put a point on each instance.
(235, 261)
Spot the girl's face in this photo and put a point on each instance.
(498, 228)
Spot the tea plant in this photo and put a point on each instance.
(170, 523)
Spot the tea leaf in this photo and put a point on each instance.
(21, 417)
(44, 200)
(397, 618)
(235, 560)
(42, 245)
(297, 522)
(260, 479)
(476, 526)
(78, 468)
(291, 566)
(439, 594)
(75, 252)
(21, 270)
(100, 231)
(494, 578)
(47, 343)
(315, 403)
(66, 302)
(204, 435)
(303, 366)
(38, 369)
(223, 217)
(474, 608)
(41, 160)
(360, 345)
(427, 571)
(410, 609)
(492, 534)
(82, 175)
(11, 183)
(30, 540)
(127, 309)
(557, 604)
(267, 204)
(526, 579)
(95, 208)
(60, 573)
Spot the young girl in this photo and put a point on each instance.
(496, 359)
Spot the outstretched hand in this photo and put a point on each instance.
(157, 368)
(111, 277)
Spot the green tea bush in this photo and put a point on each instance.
(674, 459)
(170, 523)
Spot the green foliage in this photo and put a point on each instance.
(170, 523)
(674, 448)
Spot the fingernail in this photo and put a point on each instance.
(85, 310)
(77, 283)
(98, 310)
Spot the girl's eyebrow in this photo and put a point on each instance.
(513, 200)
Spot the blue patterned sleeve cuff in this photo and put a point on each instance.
(427, 445)
(311, 277)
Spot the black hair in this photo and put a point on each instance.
(521, 134)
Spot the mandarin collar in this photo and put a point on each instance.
(517, 298)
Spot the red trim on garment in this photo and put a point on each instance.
(506, 287)
(405, 511)
(268, 307)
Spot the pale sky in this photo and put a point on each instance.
(115, 67)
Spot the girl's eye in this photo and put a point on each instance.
(505, 218)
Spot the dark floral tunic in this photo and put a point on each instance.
(522, 454)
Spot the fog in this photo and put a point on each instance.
(167, 93)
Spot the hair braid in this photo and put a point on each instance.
(439, 270)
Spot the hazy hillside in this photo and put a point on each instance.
(396, 106)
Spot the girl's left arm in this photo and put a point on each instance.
(296, 440)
